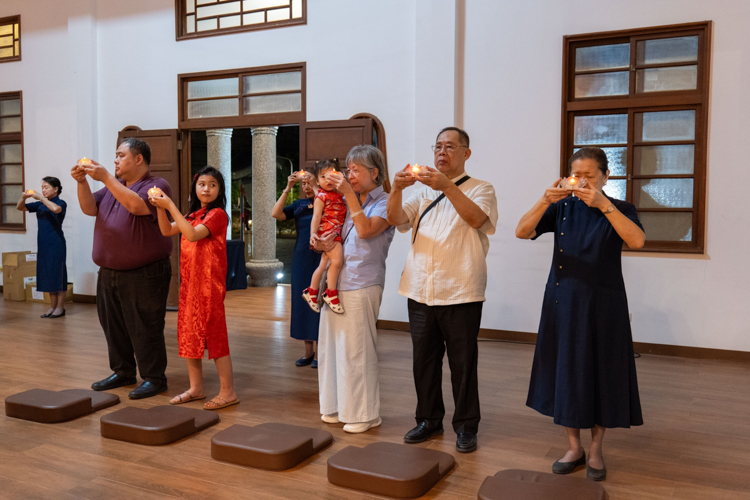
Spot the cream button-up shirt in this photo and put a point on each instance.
(447, 261)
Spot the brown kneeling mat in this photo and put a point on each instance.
(514, 484)
(268, 446)
(41, 405)
(157, 425)
(395, 470)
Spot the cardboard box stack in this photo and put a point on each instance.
(19, 268)
(32, 295)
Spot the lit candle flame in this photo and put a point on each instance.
(416, 168)
(154, 191)
(84, 161)
(572, 180)
(30, 191)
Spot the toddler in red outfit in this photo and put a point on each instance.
(329, 212)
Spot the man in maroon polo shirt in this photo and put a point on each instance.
(134, 274)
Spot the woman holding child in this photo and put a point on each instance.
(348, 363)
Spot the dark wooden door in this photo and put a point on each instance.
(165, 163)
(332, 139)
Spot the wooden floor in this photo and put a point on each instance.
(695, 444)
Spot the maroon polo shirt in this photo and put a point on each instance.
(125, 241)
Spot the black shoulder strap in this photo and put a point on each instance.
(432, 205)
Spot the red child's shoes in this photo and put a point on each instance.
(331, 298)
(311, 297)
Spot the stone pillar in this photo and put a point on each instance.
(264, 265)
(220, 157)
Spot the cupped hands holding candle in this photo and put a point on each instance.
(158, 199)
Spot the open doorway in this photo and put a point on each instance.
(287, 161)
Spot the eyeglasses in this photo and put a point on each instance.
(356, 173)
(448, 148)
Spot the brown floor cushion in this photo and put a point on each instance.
(514, 484)
(157, 425)
(268, 446)
(395, 470)
(41, 405)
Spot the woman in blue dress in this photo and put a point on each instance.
(51, 272)
(304, 321)
(583, 374)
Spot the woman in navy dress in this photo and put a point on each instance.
(51, 272)
(304, 321)
(583, 373)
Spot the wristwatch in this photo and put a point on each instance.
(609, 209)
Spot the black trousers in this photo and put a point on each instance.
(435, 329)
(131, 306)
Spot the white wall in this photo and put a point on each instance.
(91, 67)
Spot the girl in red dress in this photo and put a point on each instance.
(201, 323)
(329, 212)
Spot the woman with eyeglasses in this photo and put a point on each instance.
(51, 271)
(304, 321)
(348, 361)
(583, 374)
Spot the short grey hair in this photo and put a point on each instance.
(368, 157)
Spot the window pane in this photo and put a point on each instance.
(190, 7)
(661, 226)
(664, 160)
(272, 82)
(10, 153)
(272, 103)
(597, 84)
(6, 29)
(209, 109)
(213, 88)
(204, 2)
(7, 52)
(6, 41)
(10, 107)
(18, 51)
(254, 18)
(208, 24)
(230, 22)
(603, 57)
(663, 193)
(617, 158)
(296, 8)
(11, 193)
(11, 215)
(278, 14)
(190, 24)
(219, 9)
(616, 188)
(667, 50)
(11, 173)
(10, 124)
(666, 126)
(600, 129)
(661, 79)
(264, 4)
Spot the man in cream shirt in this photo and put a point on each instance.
(445, 277)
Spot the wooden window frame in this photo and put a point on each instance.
(181, 23)
(242, 120)
(13, 138)
(633, 103)
(12, 20)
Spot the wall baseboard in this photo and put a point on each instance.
(639, 347)
(86, 299)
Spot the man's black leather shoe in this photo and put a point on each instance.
(466, 442)
(422, 433)
(113, 382)
(146, 390)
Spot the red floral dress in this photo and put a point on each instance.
(334, 212)
(201, 323)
